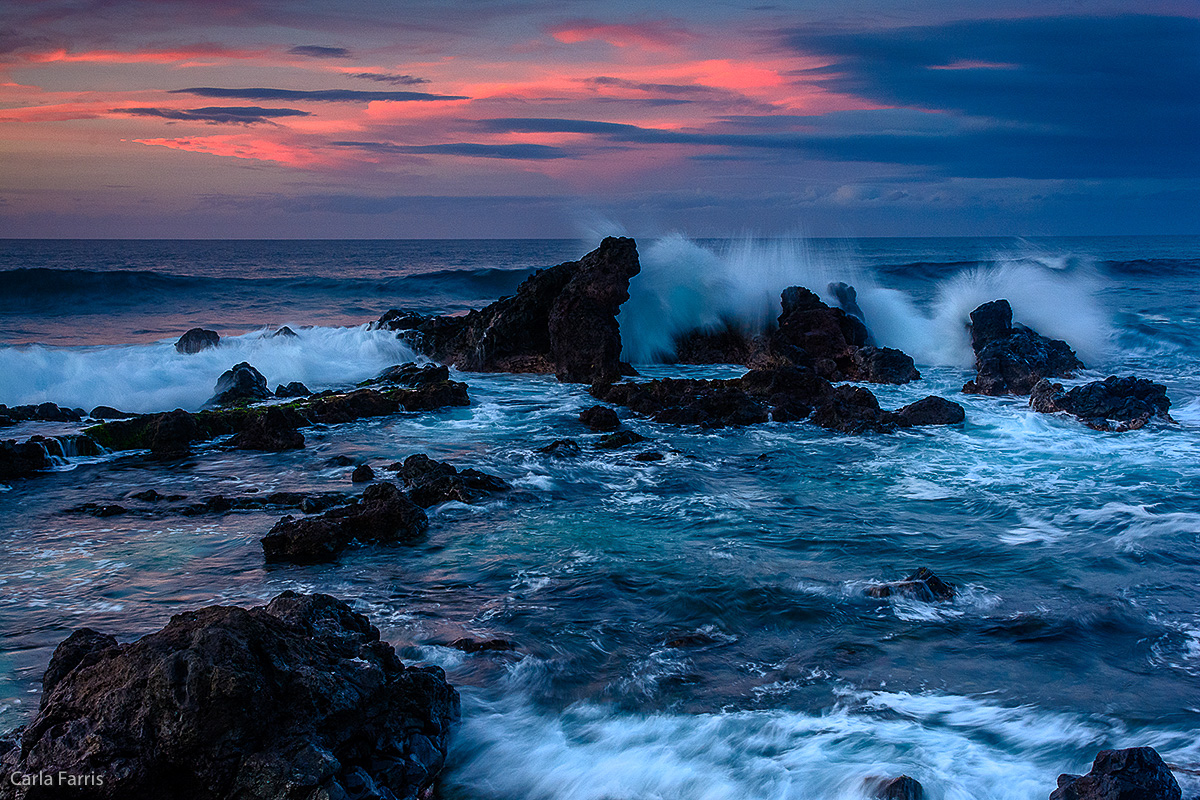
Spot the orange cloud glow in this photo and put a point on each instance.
(191, 53)
(249, 147)
(651, 35)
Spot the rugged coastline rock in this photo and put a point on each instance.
(384, 514)
(296, 699)
(431, 482)
(1011, 359)
(1113, 404)
(22, 459)
(1137, 773)
(600, 418)
(293, 389)
(197, 339)
(241, 383)
(44, 412)
(562, 320)
(932, 410)
(275, 430)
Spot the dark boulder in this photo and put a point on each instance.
(296, 699)
(1137, 773)
(108, 412)
(286, 332)
(273, 431)
(811, 334)
(433, 395)
(562, 448)
(43, 412)
(902, 788)
(600, 418)
(239, 384)
(352, 406)
(197, 339)
(432, 482)
(619, 439)
(100, 510)
(853, 409)
(920, 585)
(649, 455)
(1113, 404)
(293, 389)
(22, 459)
(171, 433)
(562, 320)
(384, 514)
(413, 374)
(398, 320)
(883, 365)
(362, 474)
(847, 300)
(1012, 359)
(932, 410)
(469, 645)
(727, 344)
(683, 401)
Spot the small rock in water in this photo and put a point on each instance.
(649, 455)
(469, 645)
(431, 482)
(620, 439)
(284, 331)
(1137, 773)
(239, 383)
(561, 448)
(197, 339)
(921, 585)
(293, 389)
(902, 788)
(362, 474)
(1011, 359)
(340, 461)
(932, 410)
(600, 418)
(1113, 404)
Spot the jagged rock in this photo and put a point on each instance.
(902, 788)
(682, 401)
(273, 431)
(619, 439)
(1012, 359)
(1113, 404)
(883, 365)
(239, 384)
(600, 418)
(384, 514)
(847, 300)
(413, 374)
(432, 482)
(813, 335)
(197, 339)
(352, 406)
(920, 585)
(296, 699)
(561, 320)
(108, 412)
(852, 409)
(562, 448)
(362, 474)
(932, 410)
(285, 331)
(398, 320)
(170, 434)
(293, 389)
(1137, 773)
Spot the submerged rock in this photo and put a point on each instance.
(600, 418)
(1137, 773)
(932, 410)
(562, 448)
(619, 439)
(1011, 359)
(469, 645)
(562, 320)
(384, 514)
(197, 339)
(1113, 404)
(296, 699)
(432, 482)
(920, 585)
(239, 384)
(362, 474)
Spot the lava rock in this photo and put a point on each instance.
(619, 439)
(108, 412)
(469, 645)
(296, 699)
(413, 374)
(398, 320)
(384, 514)
(883, 365)
(99, 509)
(853, 409)
(273, 431)
(362, 474)
(932, 410)
(239, 384)
(170, 434)
(22, 460)
(432, 482)
(285, 331)
(902, 788)
(920, 585)
(197, 339)
(1113, 404)
(1012, 359)
(726, 344)
(562, 448)
(43, 412)
(600, 418)
(1137, 773)
(352, 406)
(293, 389)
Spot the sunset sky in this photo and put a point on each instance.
(526, 118)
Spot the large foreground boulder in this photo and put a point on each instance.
(1113, 404)
(240, 383)
(562, 320)
(197, 339)
(22, 459)
(384, 514)
(1137, 773)
(295, 700)
(1011, 359)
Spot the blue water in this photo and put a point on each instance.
(1077, 625)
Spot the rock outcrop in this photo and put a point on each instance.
(43, 412)
(293, 389)
(562, 320)
(932, 410)
(1113, 404)
(920, 585)
(600, 418)
(1137, 773)
(296, 699)
(384, 514)
(22, 459)
(432, 482)
(1011, 359)
(275, 430)
(241, 383)
(197, 339)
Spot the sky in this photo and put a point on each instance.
(531, 118)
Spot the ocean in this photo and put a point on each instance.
(695, 628)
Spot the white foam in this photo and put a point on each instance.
(154, 377)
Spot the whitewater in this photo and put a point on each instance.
(1077, 623)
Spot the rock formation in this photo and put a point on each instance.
(1113, 404)
(1137, 773)
(1011, 359)
(197, 339)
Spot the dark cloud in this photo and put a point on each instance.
(657, 88)
(386, 77)
(1050, 96)
(318, 51)
(243, 115)
(518, 152)
(319, 95)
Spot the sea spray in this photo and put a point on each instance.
(154, 377)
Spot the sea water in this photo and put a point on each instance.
(1076, 626)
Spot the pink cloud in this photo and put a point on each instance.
(650, 35)
(189, 53)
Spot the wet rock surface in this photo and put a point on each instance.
(432, 482)
(932, 410)
(1113, 404)
(275, 430)
(197, 339)
(241, 383)
(1137, 773)
(1011, 359)
(920, 585)
(600, 418)
(295, 699)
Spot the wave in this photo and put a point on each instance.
(685, 285)
(154, 377)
